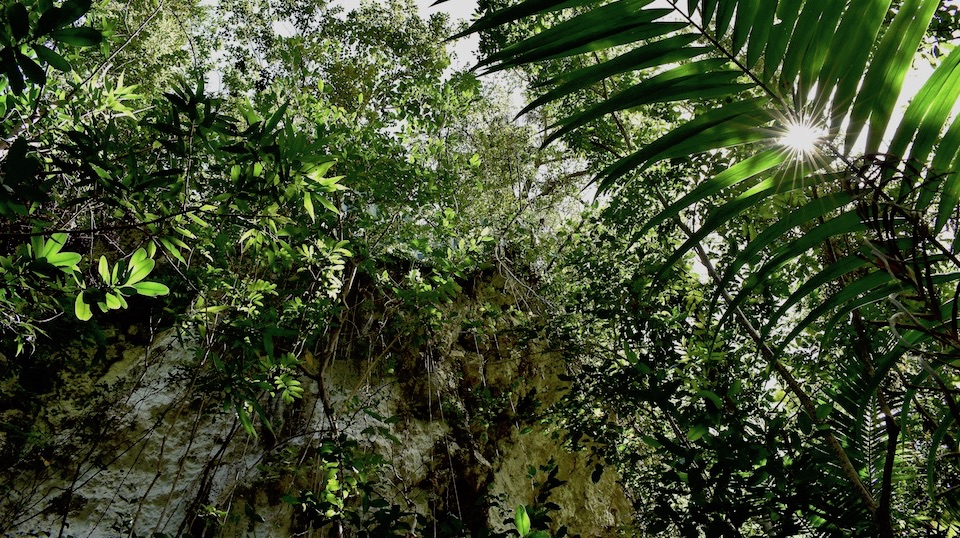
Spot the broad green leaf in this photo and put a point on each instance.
(151, 289)
(521, 520)
(79, 37)
(184, 232)
(328, 205)
(139, 270)
(65, 260)
(317, 172)
(697, 432)
(31, 69)
(245, 421)
(49, 21)
(712, 396)
(104, 270)
(53, 245)
(275, 119)
(169, 243)
(19, 21)
(51, 57)
(72, 10)
(81, 308)
(112, 300)
(12, 70)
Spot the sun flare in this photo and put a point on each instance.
(801, 137)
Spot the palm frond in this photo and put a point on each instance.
(754, 68)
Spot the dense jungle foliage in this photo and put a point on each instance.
(740, 228)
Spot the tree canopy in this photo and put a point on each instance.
(741, 230)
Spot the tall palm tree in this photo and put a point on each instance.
(807, 92)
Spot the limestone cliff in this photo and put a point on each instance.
(435, 436)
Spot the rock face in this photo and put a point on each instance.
(442, 436)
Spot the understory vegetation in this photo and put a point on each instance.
(731, 225)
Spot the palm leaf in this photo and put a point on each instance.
(752, 67)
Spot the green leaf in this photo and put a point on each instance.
(168, 244)
(31, 69)
(19, 20)
(65, 260)
(712, 396)
(697, 432)
(51, 57)
(151, 289)
(737, 173)
(665, 51)
(519, 11)
(275, 119)
(113, 301)
(731, 124)
(521, 520)
(139, 269)
(929, 110)
(760, 32)
(81, 308)
(49, 21)
(831, 273)
(82, 36)
(245, 421)
(884, 78)
(12, 70)
(308, 205)
(696, 79)
(599, 25)
(72, 10)
(814, 209)
(787, 11)
(861, 25)
(53, 245)
(328, 205)
(104, 270)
